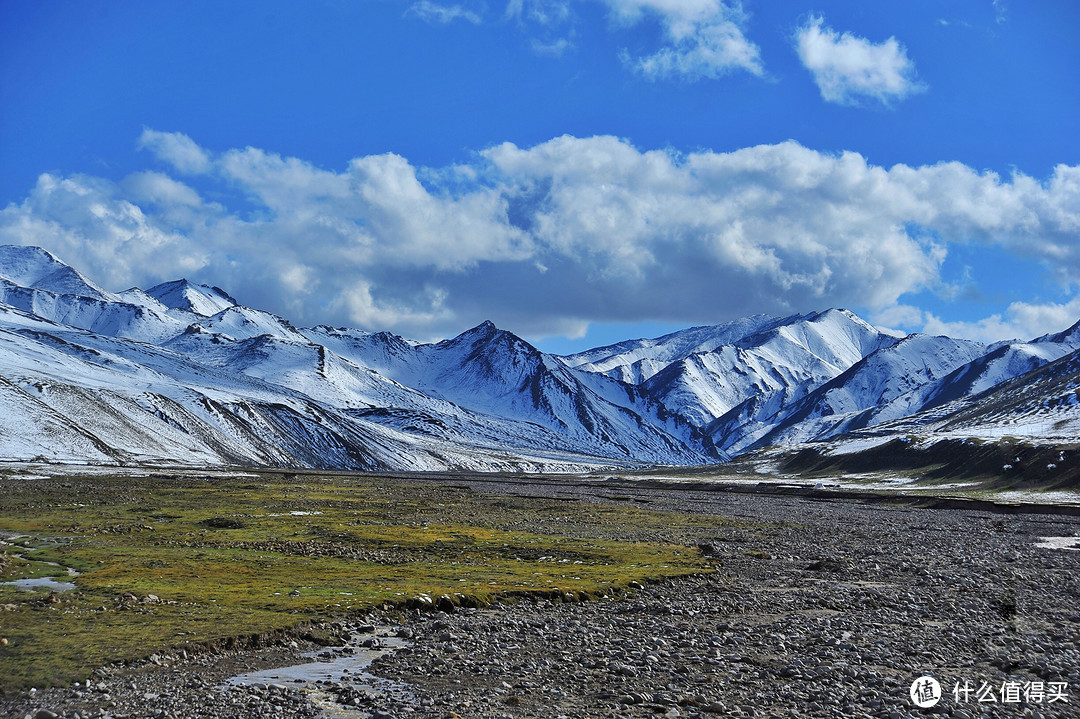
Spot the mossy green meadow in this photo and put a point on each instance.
(230, 556)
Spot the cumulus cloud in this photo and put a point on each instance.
(772, 221)
(547, 238)
(106, 235)
(177, 149)
(160, 189)
(1020, 320)
(705, 38)
(849, 69)
(442, 14)
(362, 308)
(900, 318)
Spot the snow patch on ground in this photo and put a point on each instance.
(1071, 543)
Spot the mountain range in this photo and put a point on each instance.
(182, 373)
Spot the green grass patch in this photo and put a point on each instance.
(230, 557)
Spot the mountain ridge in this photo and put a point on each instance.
(184, 374)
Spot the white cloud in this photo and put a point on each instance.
(363, 309)
(780, 221)
(445, 233)
(701, 38)
(543, 12)
(1001, 12)
(900, 318)
(108, 237)
(705, 38)
(1020, 320)
(549, 237)
(161, 189)
(554, 48)
(435, 13)
(551, 22)
(177, 149)
(283, 185)
(849, 69)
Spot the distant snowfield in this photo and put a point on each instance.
(181, 375)
(766, 478)
(38, 470)
(877, 482)
(1030, 496)
(1069, 543)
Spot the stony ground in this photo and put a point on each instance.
(816, 609)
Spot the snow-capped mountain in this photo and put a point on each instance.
(765, 371)
(143, 376)
(200, 299)
(183, 373)
(494, 372)
(635, 361)
(1042, 403)
(1000, 364)
(37, 269)
(1041, 407)
(886, 384)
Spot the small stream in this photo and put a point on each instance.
(328, 668)
(51, 583)
(344, 666)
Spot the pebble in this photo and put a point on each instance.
(895, 593)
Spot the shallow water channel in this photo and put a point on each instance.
(51, 583)
(344, 666)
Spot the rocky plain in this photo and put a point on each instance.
(815, 607)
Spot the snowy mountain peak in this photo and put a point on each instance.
(883, 385)
(1070, 336)
(486, 335)
(39, 269)
(136, 296)
(838, 338)
(486, 330)
(200, 299)
(841, 316)
(239, 322)
(183, 373)
(635, 361)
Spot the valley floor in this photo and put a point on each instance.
(814, 607)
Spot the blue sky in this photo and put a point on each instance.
(578, 171)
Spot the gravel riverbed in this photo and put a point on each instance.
(816, 608)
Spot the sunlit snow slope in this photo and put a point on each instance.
(184, 373)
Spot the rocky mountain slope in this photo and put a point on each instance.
(183, 373)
